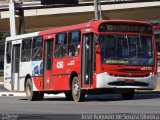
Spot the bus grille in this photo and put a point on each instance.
(137, 75)
(122, 83)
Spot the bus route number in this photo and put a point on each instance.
(146, 68)
(60, 64)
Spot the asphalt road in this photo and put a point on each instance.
(111, 103)
(143, 103)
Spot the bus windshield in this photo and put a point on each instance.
(126, 49)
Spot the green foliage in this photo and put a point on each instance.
(4, 35)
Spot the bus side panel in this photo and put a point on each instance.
(37, 75)
(74, 65)
(7, 76)
(25, 68)
(62, 69)
(7, 71)
(61, 82)
(37, 83)
(48, 81)
(60, 77)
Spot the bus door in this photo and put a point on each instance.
(48, 57)
(87, 60)
(15, 66)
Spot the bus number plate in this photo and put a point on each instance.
(129, 81)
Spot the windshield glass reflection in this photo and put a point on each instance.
(126, 49)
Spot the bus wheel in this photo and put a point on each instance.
(77, 93)
(31, 95)
(68, 95)
(128, 95)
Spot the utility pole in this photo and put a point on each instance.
(12, 18)
(21, 29)
(20, 13)
(100, 11)
(96, 9)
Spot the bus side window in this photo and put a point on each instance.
(60, 49)
(8, 52)
(37, 48)
(26, 50)
(74, 43)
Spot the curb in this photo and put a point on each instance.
(12, 94)
(22, 94)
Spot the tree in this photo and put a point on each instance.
(3, 35)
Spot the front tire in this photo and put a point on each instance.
(31, 95)
(128, 95)
(77, 94)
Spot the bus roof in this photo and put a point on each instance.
(93, 23)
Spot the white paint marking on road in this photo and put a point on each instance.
(12, 94)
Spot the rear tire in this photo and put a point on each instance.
(31, 95)
(77, 94)
(128, 95)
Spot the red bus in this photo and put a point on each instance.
(95, 57)
(156, 28)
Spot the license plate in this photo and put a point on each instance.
(129, 81)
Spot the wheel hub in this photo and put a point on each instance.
(76, 89)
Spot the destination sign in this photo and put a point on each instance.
(124, 27)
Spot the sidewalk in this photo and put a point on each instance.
(12, 94)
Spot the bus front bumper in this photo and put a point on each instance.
(104, 80)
